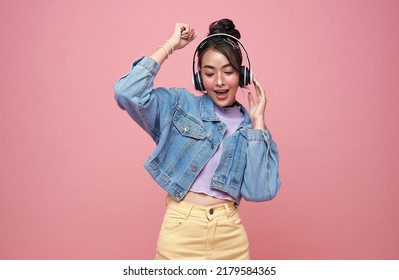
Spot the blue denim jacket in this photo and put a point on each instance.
(188, 132)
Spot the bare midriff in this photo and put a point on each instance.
(202, 199)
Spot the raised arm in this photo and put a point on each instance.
(261, 177)
(181, 36)
(148, 106)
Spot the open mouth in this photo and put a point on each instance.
(221, 94)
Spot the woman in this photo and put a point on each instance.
(210, 150)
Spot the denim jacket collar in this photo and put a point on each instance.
(208, 112)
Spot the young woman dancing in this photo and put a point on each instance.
(210, 151)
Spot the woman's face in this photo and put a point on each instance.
(219, 78)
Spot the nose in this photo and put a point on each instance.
(219, 81)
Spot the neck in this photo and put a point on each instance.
(235, 103)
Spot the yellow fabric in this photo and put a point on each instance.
(196, 232)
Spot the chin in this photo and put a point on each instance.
(223, 103)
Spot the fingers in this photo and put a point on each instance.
(251, 100)
(191, 36)
(187, 32)
(260, 91)
(182, 35)
(258, 85)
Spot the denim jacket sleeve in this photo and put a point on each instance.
(148, 106)
(261, 177)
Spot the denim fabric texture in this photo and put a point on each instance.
(187, 132)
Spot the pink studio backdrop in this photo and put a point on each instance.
(72, 185)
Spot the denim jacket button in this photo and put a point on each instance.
(220, 127)
(211, 211)
(194, 169)
(212, 146)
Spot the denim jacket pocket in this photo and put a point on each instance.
(188, 126)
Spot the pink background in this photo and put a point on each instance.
(72, 185)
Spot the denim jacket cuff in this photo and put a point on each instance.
(259, 135)
(147, 63)
(255, 135)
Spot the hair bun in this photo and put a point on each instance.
(224, 26)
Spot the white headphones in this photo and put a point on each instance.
(245, 72)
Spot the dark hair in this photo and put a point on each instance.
(223, 44)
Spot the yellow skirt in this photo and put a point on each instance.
(196, 232)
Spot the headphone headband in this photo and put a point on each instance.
(222, 35)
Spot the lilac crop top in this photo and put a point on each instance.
(232, 117)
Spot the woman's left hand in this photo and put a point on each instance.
(257, 108)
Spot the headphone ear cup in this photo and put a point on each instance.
(245, 76)
(195, 82)
(198, 81)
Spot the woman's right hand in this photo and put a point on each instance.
(182, 35)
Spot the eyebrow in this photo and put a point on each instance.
(212, 67)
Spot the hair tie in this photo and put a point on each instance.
(170, 45)
(166, 51)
